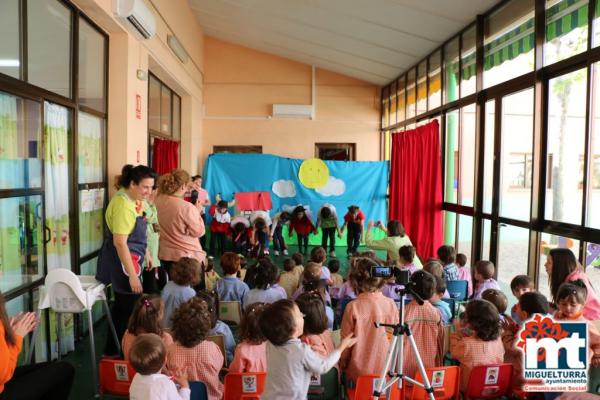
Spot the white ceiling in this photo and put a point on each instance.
(373, 40)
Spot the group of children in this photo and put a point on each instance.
(251, 235)
(288, 317)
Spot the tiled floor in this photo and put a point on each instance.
(80, 358)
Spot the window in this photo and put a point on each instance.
(422, 88)
(468, 58)
(465, 235)
(393, 104)
(401, 100)
(467, 155)
(513, 254)
(237, 149)
(435, 80)
(411, 91)
(451, 55)
(335, 151)
(566, 29)
(449, 226)
(566, 142)
(547, 243)
(164, 109)
(10, 63)
(452, 158)
(593, 211)
(488, 158)
(517, 138)
(92, 63)
(49, 46)
(509, 42)
(592, 261)
(486, 240)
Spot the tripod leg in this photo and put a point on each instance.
(426, 383)
(389, 358)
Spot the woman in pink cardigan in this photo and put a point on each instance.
(562, 266)
(180, 221)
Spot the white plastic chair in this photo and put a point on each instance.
(65, 292)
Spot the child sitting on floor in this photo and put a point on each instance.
(290, 363)
(315, 333)
(231, 288)
(464, 272)
(146, 317)
(319, 255)
(218, 327)
(477, 339)
(334, 268)
(447, 256)
(520, 285)
(299, 268)
(441, 305)
(191, 354)
(147, 357)
(251, 352)
(484, 276)
(184, 274)
(499, 300)
(210, 275)
(264, 290)
(406, 257)
(288, 279)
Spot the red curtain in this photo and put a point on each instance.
(165, 156)
(416, 187)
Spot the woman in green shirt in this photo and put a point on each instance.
(395, 238)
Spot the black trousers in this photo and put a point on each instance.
(120, 312)
(278, 240)
(353, 237)
(44, 381)
(303, 242)
(328, 233)
(149, 282)
(217, 238)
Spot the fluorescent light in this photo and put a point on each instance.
(9, 63)
(177, 48)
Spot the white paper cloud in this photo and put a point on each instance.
(334, 187)
(283, 188)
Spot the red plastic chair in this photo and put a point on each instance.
(364, 389)
(115, 377)
(448, 386)
(247, 385)
(490, 381)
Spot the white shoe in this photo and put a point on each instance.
(285, 253)
(276, 252)
(266, 252)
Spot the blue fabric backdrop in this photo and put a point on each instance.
(365, 182)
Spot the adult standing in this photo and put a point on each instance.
(179, 220)
(125, 245)
(203, 198)
(562, 266)
(29, 382)
(396, 237)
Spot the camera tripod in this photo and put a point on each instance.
(394, 358)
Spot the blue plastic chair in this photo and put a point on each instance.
(199, 391)
(458, 290)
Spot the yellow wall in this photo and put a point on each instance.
(241, 85)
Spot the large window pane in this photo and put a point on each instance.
(451, 53)
(91, 220)
(411, 91)
(91, 67)
(165, 110)
(465, 235)
(401, 99)
(486, 240)
(469, 70)
(422, 88)
(435, 80)
(21, 241)
(9, 38)
(596, 33)
(154, 104)
(509, 42)
(566, 144)
(549, 242)
(566, 29)
(593, 211)
(449, 226)
(451, 155)
(592, 261)
(488, 160)
(393, 104)
(467, 155)
(516, 155)
(49, 45)
(20, 143)
(513, 252)
(176, 116)
(90, 143)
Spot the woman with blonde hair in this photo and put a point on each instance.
(180, 222)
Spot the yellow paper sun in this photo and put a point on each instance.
(313, 173)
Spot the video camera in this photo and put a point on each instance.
(381, 271)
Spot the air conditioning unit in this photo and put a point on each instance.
(136, 16)
(292, 111)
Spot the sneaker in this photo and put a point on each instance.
(285, 253)
(276, 252)
(266, 252)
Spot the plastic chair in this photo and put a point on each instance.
(489, 381)
(65, 292)
(445, 387)
(458, 290)
(365, 384)
(198, 390)
(115, 377)
(246, 385)
(230, 311)
(219, 340)
(326, 388)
